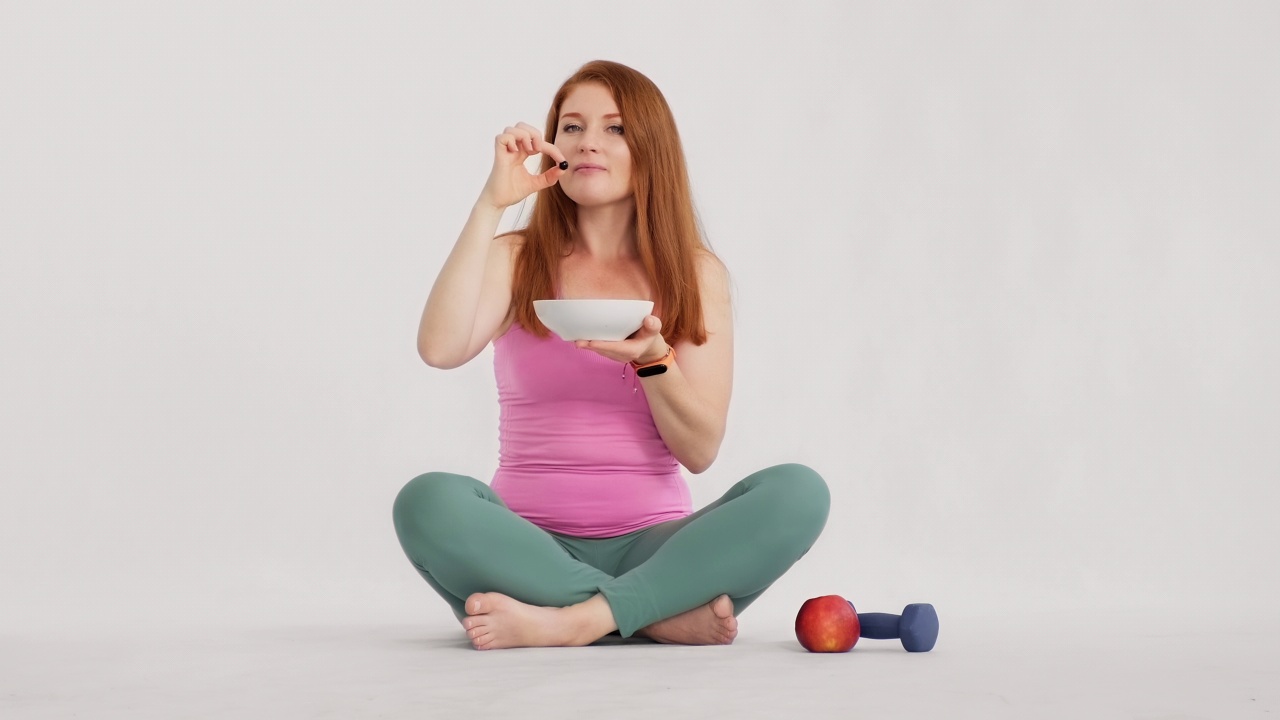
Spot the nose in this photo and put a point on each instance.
(588, 141)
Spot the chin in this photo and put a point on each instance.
(596, 199)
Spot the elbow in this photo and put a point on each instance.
(698, 460)
(431, 356)
(427, 355)
(697, 468)
(702, 461)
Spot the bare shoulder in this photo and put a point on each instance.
(713, 276)
(715, 291)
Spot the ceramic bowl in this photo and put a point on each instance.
(593, 319)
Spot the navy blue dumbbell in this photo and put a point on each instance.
(917, 626)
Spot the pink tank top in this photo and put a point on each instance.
(579, 453)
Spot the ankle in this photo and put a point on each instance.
(591, 620)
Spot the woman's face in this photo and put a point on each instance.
(589, 134)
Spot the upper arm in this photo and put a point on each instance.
(495, 294)
(709, 367)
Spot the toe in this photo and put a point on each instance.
(728, 629)
(477, 604)
(722, 607)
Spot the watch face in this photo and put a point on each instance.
(655, 370)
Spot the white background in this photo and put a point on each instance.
(1005, 274)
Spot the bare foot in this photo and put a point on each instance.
(710, 624)
(497, 621)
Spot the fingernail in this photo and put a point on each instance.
(564, 164)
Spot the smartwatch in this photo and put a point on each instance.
(657, 367)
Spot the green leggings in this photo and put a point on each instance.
(462, 539)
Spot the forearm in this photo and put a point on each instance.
(450, 312)
(689, 401)
(691, 428)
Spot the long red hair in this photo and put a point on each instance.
(668, 236)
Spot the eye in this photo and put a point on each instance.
(616, 129)
(570, 127)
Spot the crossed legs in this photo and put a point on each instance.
(512, 584)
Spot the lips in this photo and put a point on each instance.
(587, 167)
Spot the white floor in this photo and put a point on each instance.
(1061, 666)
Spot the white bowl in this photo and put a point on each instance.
(593, 319)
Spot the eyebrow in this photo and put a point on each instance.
(577, 115)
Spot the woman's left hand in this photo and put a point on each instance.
(642, 346)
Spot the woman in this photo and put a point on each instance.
(587, 528)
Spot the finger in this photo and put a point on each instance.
(523, 137)
(549, 177)
(511, 144)
(540, 144)
(603, 348)
(649, 327)
(611, 345)
(620, 351)
(535, 135)
(528, 137)
(550, 150)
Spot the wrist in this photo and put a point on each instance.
(653, 356)
(484, 206)
(645, 368)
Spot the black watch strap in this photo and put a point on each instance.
(651, 370)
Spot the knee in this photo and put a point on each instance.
(803, 495)
(423, 495)
(811, 487)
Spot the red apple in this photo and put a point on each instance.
(827, 624)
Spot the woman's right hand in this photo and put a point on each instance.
(510, 181)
